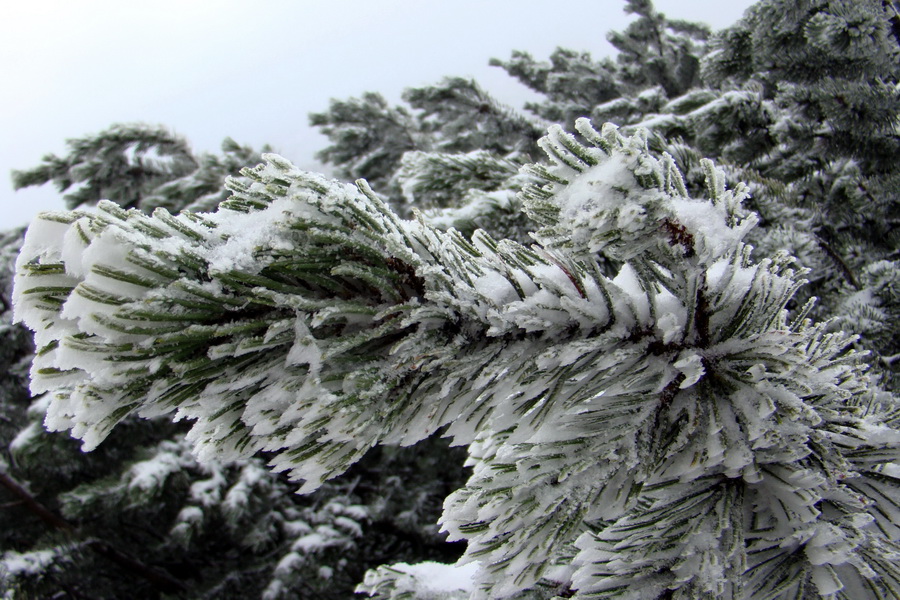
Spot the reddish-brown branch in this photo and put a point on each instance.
(842, 266)
(160, 580)
(679, 236)
(702, 315)
(35, 507)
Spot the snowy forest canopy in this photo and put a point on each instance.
(636, 341)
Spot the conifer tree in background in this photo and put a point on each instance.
(140, 516)
(643, 416)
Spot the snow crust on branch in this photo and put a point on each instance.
(641, 416)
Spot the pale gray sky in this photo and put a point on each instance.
(253, 71)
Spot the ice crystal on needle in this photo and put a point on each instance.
(641, 413)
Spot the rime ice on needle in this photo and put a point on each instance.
(640, 414)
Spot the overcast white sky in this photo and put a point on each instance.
(253, 71)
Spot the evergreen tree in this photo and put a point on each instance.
(797, 100)
(655, 53)
(454, 147)
(830, 71)
(121, 164)
(649, 407)
(658, 429)
(141, 516)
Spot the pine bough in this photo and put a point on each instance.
(642, 418)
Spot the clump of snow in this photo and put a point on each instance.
(26, 563)
(826, 580)
(190, 514)
(439, 577)
(627, 281)
(603, 187)
(349, 525)
(310, 543)
(708, 225)
(149, 475)
(244, 234)
(323, 537)
(495, 287)
(672, 317)
(690, 365)
(208, 492)
(305, 350)
(289, 562)
(604, 207)
(25, 437)
(43, 238)
(425, 580)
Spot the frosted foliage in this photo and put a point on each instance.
(620, 204)
(642, 418)
(334, 526)
(15, 565)
(431, 180)
(422, 581)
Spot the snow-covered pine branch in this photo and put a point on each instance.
(643, 419)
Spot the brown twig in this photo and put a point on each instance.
(35, 507)
(702, 314)
(158, 579)
(848, 274)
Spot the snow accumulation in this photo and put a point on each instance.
(25, 563)
(24, 438)
(476, 204)
(600, 188)
(496, 287)
(691, 365)
(440, 579)
(604, 198)
(708, 223)
(245, 233)
(149, 474)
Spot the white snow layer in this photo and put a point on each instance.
(26, 563)
(245, 233)
(440, 579)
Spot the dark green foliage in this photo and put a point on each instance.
(123, 164)
(572, 82)
(219, 531)
(16, 343)
(216, 531)
(451, 143)
(203, 190)
(825, 74)
(799, 99)
(656, 51)
(139, 166)
(653, 51)
(368, 137)
(831, 65)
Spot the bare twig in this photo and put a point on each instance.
(848, 274)
(160, 580)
